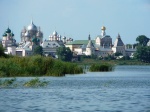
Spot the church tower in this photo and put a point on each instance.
(119, 46)
(8, 39)
(90, 49)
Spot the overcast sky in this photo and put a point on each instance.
(78, 18)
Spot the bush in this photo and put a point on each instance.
(101, 67)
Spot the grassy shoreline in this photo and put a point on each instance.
(36, 66)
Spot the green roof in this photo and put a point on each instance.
(80, 42)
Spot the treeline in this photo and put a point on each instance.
(36, 66)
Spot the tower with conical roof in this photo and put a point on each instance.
(119, 46)
(90, 49)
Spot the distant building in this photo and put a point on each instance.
(90, 48)
(82, 47)
(103, 40)
(102, 46)
(8, 39)
(50, 46)
(30, 32)
(31, 37)
(119, 46)
(8, 42)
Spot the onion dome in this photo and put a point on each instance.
(23, 30)
(64, 37)
(35, 39)
(50, 36)
(32, 27)
(27, 34)
(55, 33)
(4, 35)
(8, 30)
(103, 28)
(39, 34)
(59, 36)
(12, 34)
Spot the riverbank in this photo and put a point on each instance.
(112, 62)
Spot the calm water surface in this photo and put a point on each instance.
(127, 89)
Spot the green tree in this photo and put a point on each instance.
(64, 54)
(2, 54)
(143, 53)
(118, 54)
(38, 50)
(142, 40)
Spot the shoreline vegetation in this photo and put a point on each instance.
(36, 66)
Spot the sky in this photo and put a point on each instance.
(78, 18)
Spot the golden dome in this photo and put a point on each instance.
(103, 28)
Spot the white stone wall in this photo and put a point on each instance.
(11, 50)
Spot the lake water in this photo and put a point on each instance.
(127, 89)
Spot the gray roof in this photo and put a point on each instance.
(52, 44)
(118, 42)
(90, 44)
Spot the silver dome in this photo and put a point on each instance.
(32, 26)
(64, 37)
(55, 33)
(27, 34)
(39, 34)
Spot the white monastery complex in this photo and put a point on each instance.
(32, 36)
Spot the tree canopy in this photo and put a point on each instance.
(2, 54)
(38, 50)
(64, 54)
(143, 53)
(142, 40)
